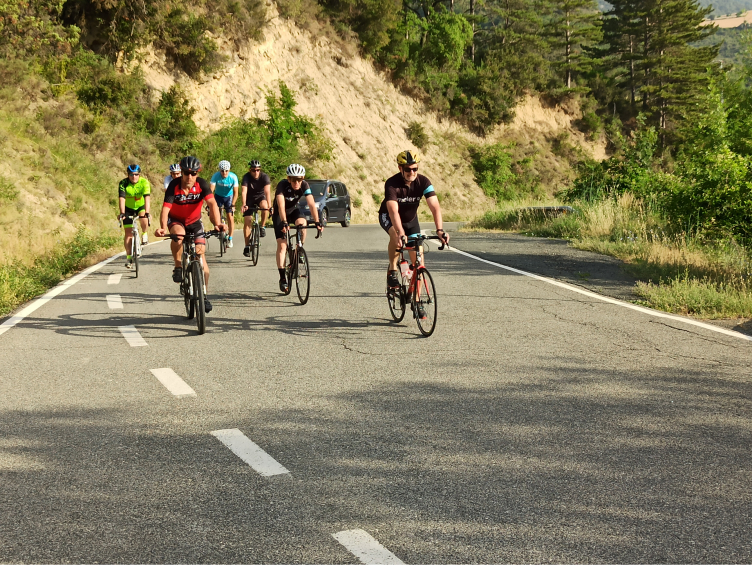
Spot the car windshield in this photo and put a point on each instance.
(317, 187)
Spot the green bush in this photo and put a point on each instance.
(417, 134)
(173, 118)
(184, 39)
(8, 190)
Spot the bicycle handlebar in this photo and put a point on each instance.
(421, 237)
(312, 224)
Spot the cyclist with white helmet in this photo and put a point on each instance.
(398, 214)
(286, 196)
(134, 198)
(224, 185)
(174, 174)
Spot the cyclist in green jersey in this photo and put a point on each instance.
(134, 195)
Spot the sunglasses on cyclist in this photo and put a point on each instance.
(411, 169)
(134, 174)
(189, 173)
(255, 170)
(296, 179)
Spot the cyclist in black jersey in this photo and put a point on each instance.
(398, 215)
(286, 197)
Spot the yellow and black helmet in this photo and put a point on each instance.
(408, 157)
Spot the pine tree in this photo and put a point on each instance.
(574, 28)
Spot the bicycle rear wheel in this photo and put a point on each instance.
(303, 276)
(255, 235)
(186, 287)
(396, 303)
(198, 296)
(425, 307)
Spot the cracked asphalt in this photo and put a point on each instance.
(535, 425)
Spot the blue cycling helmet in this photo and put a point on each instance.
(134, 169)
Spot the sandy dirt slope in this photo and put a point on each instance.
(362, 112)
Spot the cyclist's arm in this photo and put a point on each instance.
(147, 203)
(268, 193)
(244, 196)
(312, 207)
(280, 203)
(235, 195)
(212, 185)
(122, 205)
(163, 217)
(214, 216)
(392, 207)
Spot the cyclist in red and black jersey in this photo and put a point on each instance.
(398, 215)
(181, 214)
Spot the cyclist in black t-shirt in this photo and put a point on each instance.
(398, 214)
(256, 191)
(286, 197)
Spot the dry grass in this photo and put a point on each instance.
(677, 272)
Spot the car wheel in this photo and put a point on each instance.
(324, 217)
(346, 222)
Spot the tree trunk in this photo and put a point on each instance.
(472, 41)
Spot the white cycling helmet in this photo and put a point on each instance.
(296, 170)
(224, 165)
(175, 168)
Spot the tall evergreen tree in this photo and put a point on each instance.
(574, 28)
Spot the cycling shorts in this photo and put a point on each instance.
(291, 217)
(253, 200)
(130, 213)
(411, 228)
(225, 202)
(196, 228)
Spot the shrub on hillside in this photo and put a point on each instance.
(184, 38)
(173, 117)
(417, 134)
(499, 175)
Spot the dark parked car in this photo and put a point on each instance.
(332, 201)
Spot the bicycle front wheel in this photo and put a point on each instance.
(186, 287)
(303, 276)
(255, 235)
(136, 250)
(197, 273)
(424, 302)
(396, 303)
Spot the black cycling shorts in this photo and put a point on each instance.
(196, 228)
(411, 228)
(253, 201)
(291, 217)
(130, 213)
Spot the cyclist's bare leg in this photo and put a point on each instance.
(247, 225)
(301, 222)
(394, 254)
(143, 222)
(230, 223)
(281, 250)
(177, 246)
(264, 207)
(128, 240)
(200, 250)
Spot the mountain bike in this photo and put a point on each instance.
(254, 241)
(296, 263)
(136, 240)
(416, 287)
(193, 287)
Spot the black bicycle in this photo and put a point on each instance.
(254, 242)
(193, 285)
(296, 263)
(416, 287)
(223, 237)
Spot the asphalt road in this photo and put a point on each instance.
(535, 425)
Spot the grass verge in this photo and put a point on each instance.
(677, 272)
(20, 282)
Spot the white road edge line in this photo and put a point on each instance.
(172, 382)
(261, 462)
(590, 294)
(114, 278)
(114, 302)
(363, 546)
(65, 285)
(131, 335)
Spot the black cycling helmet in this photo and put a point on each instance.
(134, 169)
(190, 165)
(254, 164)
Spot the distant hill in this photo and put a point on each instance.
(720, 7)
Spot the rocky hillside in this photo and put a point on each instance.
(363, 114)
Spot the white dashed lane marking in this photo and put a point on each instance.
(114, 301)
(131, 335)
(114, 278)
(363, 546)
(173, 382)
(261, 462)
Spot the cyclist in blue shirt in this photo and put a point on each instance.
(224, 185)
